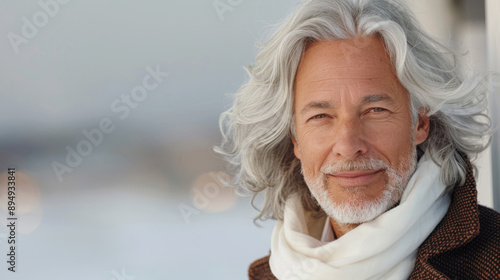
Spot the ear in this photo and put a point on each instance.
(296, 148)
(423, 126)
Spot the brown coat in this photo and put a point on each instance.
(464, 245)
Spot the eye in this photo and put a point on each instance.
(320, 116)
(377, 110)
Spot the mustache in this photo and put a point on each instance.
(359, 164)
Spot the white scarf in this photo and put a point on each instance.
(384, 248)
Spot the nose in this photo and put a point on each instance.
(349, 141)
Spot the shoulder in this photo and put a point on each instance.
(489, 228)
(480, 256)
(486, 245)
(489, 217)
(260, 270)
(483, 252)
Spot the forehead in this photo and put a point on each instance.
(347, 62)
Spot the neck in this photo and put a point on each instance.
(341, 229)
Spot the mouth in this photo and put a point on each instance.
(356, 178)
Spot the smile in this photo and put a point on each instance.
(355, 178)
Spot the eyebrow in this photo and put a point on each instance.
(327, 104)
(316, 105)
(376, 98)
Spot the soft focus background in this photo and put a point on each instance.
(115, 181)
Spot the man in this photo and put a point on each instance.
(358, 128)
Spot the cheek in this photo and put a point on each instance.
(318, 136)
(391, 138)
(311, 136)
(314, 149)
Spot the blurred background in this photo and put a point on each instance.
(109, 112)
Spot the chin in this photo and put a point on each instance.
(354, 211)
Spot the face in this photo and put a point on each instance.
(354, 131)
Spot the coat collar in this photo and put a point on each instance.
(458, 227)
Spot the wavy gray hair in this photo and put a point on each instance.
(257, 130)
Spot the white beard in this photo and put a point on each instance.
(352, 211)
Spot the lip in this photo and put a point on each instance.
(356, 178)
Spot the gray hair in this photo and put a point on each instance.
(257, 130)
